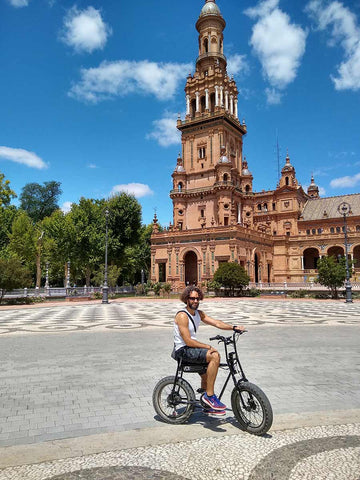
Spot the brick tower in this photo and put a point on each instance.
(212, 137)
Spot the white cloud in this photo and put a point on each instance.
(273, 96)
(262, 9)
(165, 131)
(278, 43)
(18, 155)
(19, 3)
(66, 207)
(345, 182)
(322, 191)
(237, 64)
(137, 189)
(344, 30)
(92, 165)
(123, 77)
(85, 30)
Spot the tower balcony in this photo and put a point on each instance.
(211, 55)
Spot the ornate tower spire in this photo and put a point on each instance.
(210, 26)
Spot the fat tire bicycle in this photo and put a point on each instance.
(174, 399)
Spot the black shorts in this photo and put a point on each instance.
(192, 355)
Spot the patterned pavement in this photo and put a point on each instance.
(132, 315)
(59, 387)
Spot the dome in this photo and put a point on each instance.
(210, 8)
(224, 159)
(287, 167)
(179, 169)
(245, 171)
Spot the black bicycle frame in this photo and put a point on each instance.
(232, 359)
(230, 363)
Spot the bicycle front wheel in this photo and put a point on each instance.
(174, 405)
(251, 408)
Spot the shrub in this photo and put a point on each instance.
(140, 289)
(157, 288)
(299, 294)
(166, 287)
(231, 275)
(254, 292)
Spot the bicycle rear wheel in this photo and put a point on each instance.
(251, 408)
(173, 405)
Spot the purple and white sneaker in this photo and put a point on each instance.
(215, 413)
(213, 402)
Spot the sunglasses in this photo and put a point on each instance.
(193, 299)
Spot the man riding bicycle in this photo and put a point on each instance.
(186, 346)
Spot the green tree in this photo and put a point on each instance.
(113, 275)
(59, 240)
(7, 216)
(231, 275)
(40, 201)
(12, 275)
(6, 194)
(332, 273)
(88, 236)
(124, 225)
(138, 257)
(26, 241)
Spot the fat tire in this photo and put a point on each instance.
(251, 393)
(187, 393)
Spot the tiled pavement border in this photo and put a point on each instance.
(92, 444)
(175, 453)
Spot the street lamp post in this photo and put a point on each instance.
(344, 209)
(105, 289)
(47, 278)
(68, 279)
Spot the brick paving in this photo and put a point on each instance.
(70, 372)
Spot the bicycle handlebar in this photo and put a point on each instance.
(221, 338)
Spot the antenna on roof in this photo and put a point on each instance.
(278, 155)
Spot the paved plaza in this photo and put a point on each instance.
(76, 381)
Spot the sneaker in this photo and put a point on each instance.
(216, 413)
(213, 402)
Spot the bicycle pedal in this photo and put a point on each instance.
(201, 390)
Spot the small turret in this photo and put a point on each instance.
(313, 189)
(288, 174)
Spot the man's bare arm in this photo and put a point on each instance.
(218, 323)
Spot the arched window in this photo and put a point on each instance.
(193, 107)
(247, 188)
(206, 45)
(259, 206)
(265, 207)
(332, 230)
(225, 177)
(286, 180)
(358, 228)
(212, 102)
(180, 186)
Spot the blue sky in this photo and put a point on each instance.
(90, 92)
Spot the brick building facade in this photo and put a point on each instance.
(277, 235)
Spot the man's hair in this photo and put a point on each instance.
(187, 293)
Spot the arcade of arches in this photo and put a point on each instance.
(276, 235)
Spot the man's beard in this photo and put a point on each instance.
(193, 306)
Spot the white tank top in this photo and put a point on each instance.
(178, 340)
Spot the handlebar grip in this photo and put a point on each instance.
(213, 338)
